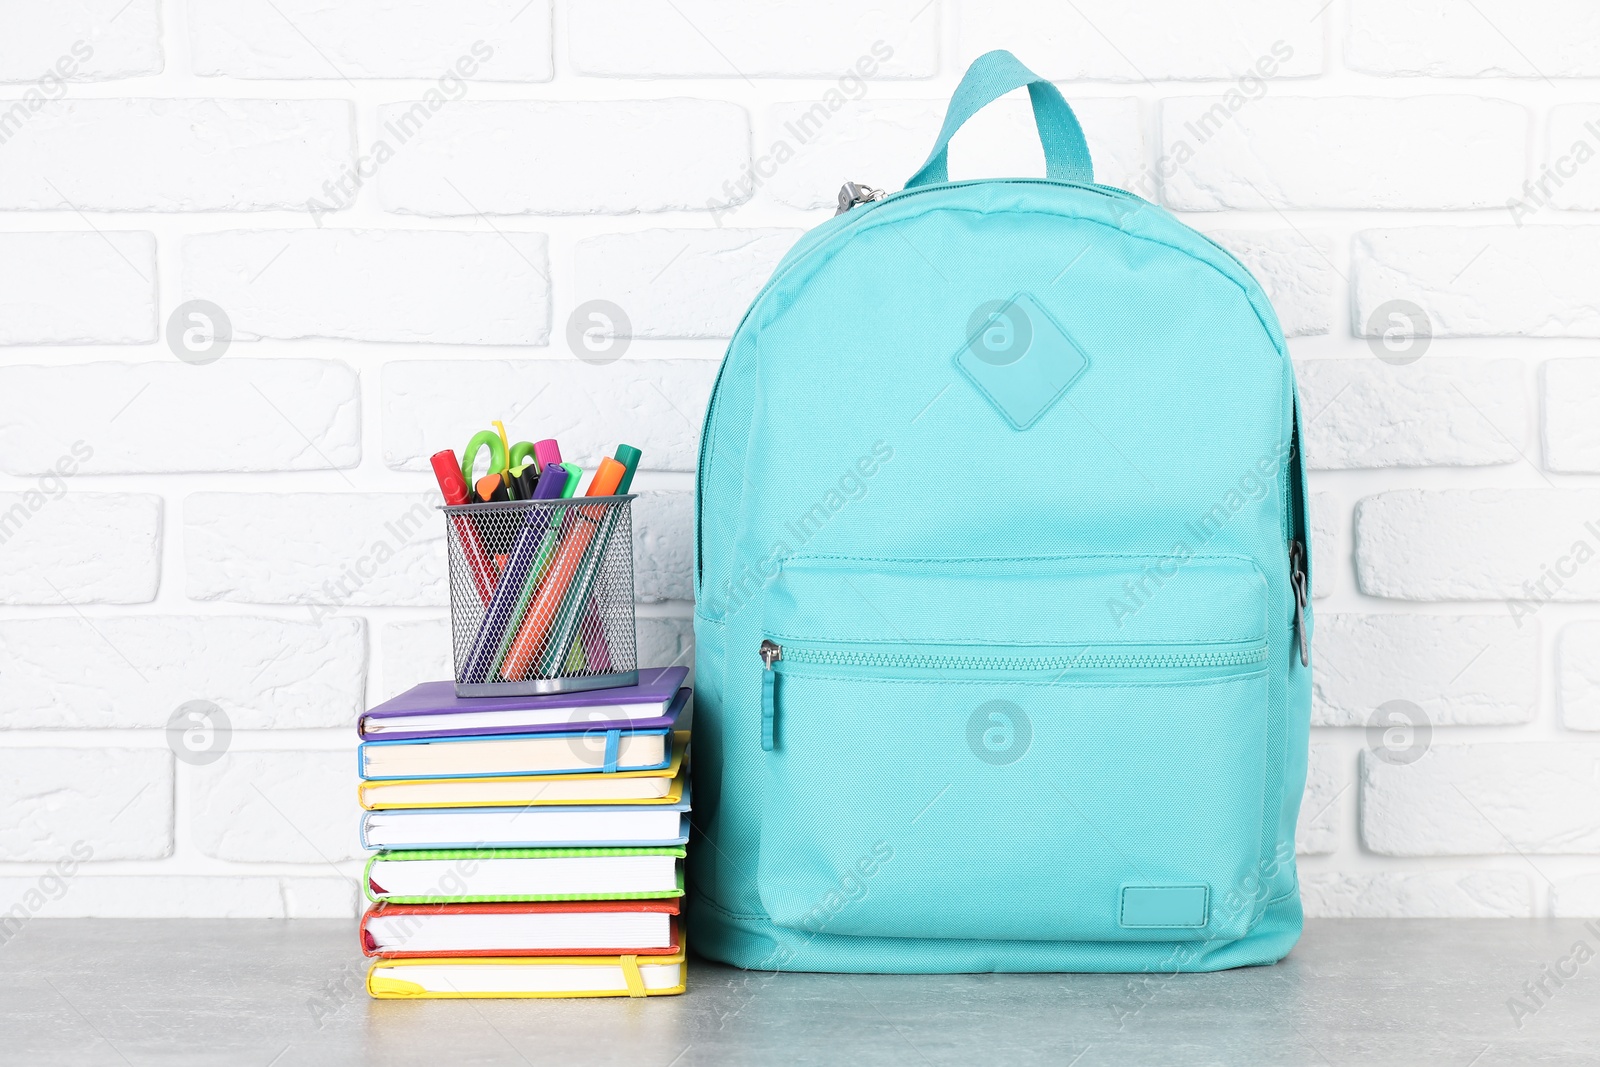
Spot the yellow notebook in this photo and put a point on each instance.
(663, 786)
(528, 976)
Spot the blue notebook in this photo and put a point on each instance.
(602, 747)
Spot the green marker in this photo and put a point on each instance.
(574, 473)
(628, 456)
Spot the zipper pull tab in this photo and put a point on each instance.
(854, 194)
(1297, 579)
(771, 652)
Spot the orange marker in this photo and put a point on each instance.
(491, 487)
(544, 617)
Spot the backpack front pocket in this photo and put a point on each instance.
(1067, 749)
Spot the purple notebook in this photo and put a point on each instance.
(432, 709)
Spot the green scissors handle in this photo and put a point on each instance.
(497, 454)
(520, 453)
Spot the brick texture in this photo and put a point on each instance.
(418, 216)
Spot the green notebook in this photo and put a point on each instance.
(493, 875)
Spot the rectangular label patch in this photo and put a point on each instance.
(1164, 905)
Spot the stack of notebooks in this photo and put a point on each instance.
(526, 846)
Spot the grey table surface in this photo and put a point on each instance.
(263, 992)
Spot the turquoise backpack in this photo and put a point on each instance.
(1001, 567)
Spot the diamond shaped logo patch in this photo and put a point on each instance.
(1019, 359)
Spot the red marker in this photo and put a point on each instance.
(447, 469)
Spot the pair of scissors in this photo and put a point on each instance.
(504, 457)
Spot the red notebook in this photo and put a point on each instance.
(548, 928)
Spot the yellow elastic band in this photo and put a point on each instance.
(630, 974)
(382, 986)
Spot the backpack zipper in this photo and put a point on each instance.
(1297, 581)
(772, 653)
(854, 194)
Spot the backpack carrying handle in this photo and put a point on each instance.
(991, 76)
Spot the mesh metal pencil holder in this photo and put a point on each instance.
(541, 595)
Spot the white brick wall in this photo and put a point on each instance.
(1483, 799)
(264, 807)
(490, 40)
(1488, 38)
(239, 415)
(430, 287)
(116, 801)
(174, 155)
(265, 673)
(324, 549)
(679, 283)
(1570, 395)
(1443, 413)
(1458, 670)
(1342, 152)
(62, 547)
(43, 277)
(401, 207)
(76, 41)
(1539, 280)
(817, 39)
(564, 158)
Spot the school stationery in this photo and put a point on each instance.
(529, 827)
(574, 475)
(586, 580)
(578, 626)
(505, 443)
(502, 605)
(550, 928)
(547, 451)
(524, 480)
(457, 978)
(551, 619)
(468, 875)
(583, 788)
(503, 457)
(629, 457)
(491, 488)
(448, 473)
(432, 709)
(592, 651)
(552, 524)
(483, 440)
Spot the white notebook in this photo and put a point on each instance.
(527, 827)
(470, 877)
